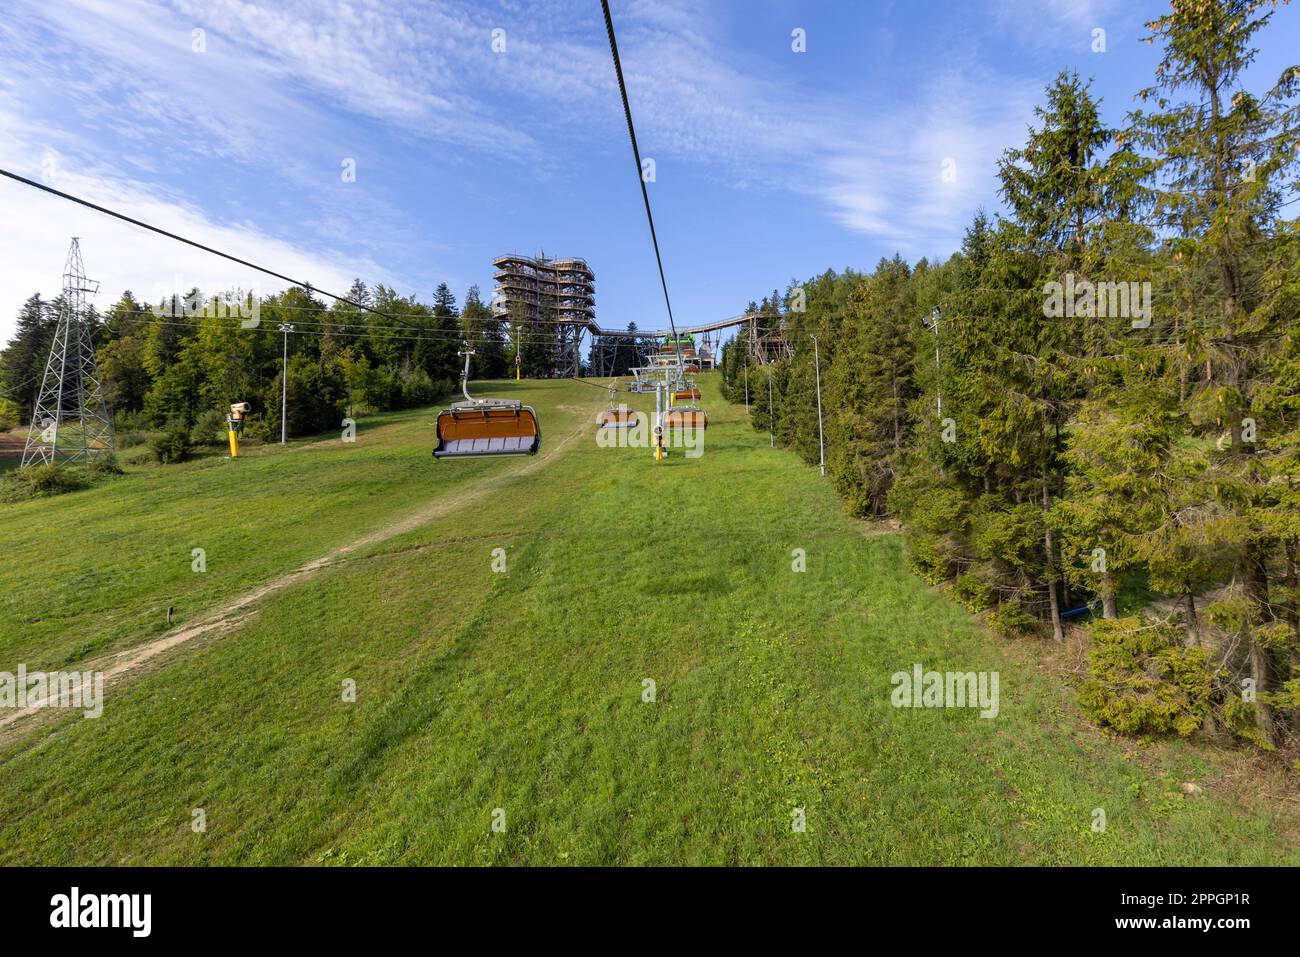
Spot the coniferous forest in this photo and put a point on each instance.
(1091, 412)
(177, 365)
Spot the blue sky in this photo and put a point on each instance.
(770, 164)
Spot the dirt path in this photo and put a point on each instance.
(228, 617)
(11, 445)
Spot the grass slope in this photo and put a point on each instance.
(522, 690)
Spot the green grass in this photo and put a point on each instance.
(523, 690)
(96, 570)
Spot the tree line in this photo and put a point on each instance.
(177, 365)
(1092, 409)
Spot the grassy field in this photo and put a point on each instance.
(522, 690)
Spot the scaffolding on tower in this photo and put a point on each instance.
(546, 298)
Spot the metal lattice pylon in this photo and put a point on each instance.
(70, 389)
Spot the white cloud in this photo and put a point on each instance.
(121, 256)
(1066, 24)
(921, 174)
(283, 91)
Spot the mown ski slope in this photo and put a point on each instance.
(519, 696)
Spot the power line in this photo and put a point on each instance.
(145, 318)
(345, 299)
(189, 242)
(377, 333)
(640, 175)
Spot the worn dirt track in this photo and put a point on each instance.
(229, 616)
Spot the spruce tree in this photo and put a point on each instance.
(483, 331)
(1225, 162)
(22, 363)
(869, 388)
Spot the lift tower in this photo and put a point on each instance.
(71, 422)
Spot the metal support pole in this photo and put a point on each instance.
(660, 390)
(938, 395)
(747, 388)
(286, 328)
(464, 376)
(821, 442)
(771, 422)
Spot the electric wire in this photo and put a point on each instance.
(189, 242)
(636, 155)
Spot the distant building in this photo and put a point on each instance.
(549, 294)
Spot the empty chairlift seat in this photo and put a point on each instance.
(619, 418)
(686, 417)
(486, 427)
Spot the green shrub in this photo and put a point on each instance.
(418, 388)
(257, 428)
(132, 429)
(132, 438)
(1012, 620)
(1239, 716)
(138, 455)
(973, 589)
(8, 415)
(37, 481)
(929, 556)
(104, 464)
(1142, 680)
(172, 445)
(210, 429)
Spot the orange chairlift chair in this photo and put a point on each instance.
(686, 391)
(486, 427)
(618, 416)
(687, 415)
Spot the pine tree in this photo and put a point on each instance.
(483, 331)
(126, 317)
(870, 387)
(438, 357)
(1225, 161)
(22, 363)
(1058, 185)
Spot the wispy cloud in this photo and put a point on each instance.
(913, 179)
(253, 128)
(121, 256)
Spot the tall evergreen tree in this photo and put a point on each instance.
(22, 363)
(869, 388)
(1226, 160)
(483, 332)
